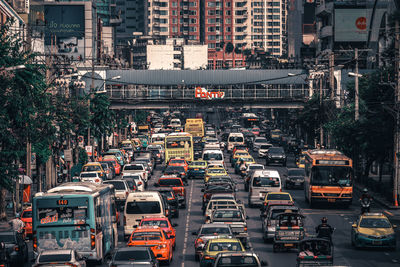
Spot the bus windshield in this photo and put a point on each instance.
(182, 142)
(238, 139)
(212, 156)
(331, 175)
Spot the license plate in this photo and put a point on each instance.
(331, 200)
(288, 245)
(377, 242)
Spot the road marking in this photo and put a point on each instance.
(388, 212)
(187, 223)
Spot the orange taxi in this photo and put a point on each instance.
(162, 222)
(179, 162)
(117, 166)
(26, 217)
(155, 238)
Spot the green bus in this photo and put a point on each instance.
(80, 216)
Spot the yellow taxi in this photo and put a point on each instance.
(136, 143)
(239, 153)
(156, 238)
(275, 197)
(197, 169)
(218, 245)
(373, 230)
(94, 167)
(212, 172)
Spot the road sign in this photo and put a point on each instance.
(68, 155)
(89, 150)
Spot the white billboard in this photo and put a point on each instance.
(351, 25)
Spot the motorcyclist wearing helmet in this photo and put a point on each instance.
(324, 230)
(365, 195)
(365, 201)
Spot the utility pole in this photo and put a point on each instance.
(332, 74)
(90, 95)
(356, 98)
(397, 124)
(321, 129)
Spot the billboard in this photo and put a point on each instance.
(351, 25)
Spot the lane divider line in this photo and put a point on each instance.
(189, 205)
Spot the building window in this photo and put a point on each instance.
(174, 21)
(174, 4)
(192, 37)
(174, 13)
(228, 21)
(193, 29)
(211, 45)
(211, 4)
(177, 56)
(211, 37)
(163, 21)
(277, 50)
(228, 29)
(228, 37)
(211, 21)
(277, 37)
(211, 29)
(276, 30)
(192, 12)
(174, 29)
(211, 12)
(228, 4)
(193, 21)
(192, 4)
(228, 12)
(163, 29)
(177, 65)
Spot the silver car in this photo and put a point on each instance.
(54, 258)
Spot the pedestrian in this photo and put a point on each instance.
(17, 224)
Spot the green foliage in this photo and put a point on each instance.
(229, 48)
(310, 117)
(101, 116)
(25, 113)
(83, 157)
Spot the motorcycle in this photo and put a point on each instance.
(365, 204)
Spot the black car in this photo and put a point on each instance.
(16, 247)
(134, 256)
(213, 188)
(172, 200)
(295, 178)
(276, 155)
(176, 170)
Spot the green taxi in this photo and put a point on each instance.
(197, 169)
(218, 245)
(373, 230)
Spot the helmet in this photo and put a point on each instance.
(17, 215)
(324, 220)
(365, 190)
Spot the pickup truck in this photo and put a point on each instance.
(136, 168)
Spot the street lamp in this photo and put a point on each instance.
(356, 75)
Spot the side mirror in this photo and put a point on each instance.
(354, 225)
(394, 225)
(261, 198)
(202, 190)
(175, 225)
(171, 236)
(247, 246)
(247, 217)
(194, 233)
(264, 263)
(156, 185)
(135, 226)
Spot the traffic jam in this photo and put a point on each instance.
(134, 205)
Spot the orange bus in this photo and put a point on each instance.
(329, 177)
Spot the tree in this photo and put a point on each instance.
(25, 108)
(238, 50)
(229, 48)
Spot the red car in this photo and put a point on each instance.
(117, 166)
(26, 217)
(176, 184)
(162, 222)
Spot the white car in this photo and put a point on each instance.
(258, 142)
(263, 150)
(136, 168)
(91, 177)
(121, 189)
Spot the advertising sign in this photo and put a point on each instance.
(64, 29)
(204, 94)
(351, 25)
(89, 150)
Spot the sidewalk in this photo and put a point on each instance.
(382, 192)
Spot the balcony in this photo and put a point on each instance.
(156, 24)
(185, 24)
(185, 7)
(325, 32)
(156, 8)
(156, 15)
(185, 16)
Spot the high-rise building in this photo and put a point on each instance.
(185, 20)
(269, 26)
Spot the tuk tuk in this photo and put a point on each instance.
(315, 252)
(289, 230)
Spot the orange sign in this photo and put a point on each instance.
(202, 93)
(361, 23)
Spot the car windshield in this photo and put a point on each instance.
(266, 182)
(214, 230)
(227, 215)
(256, 167)
(131, 255)
(118, 185)
(212, 156)
(177, 182)
(174, 169)
(167, 194)
(7, 238)
(233, 261)
(375, 223)
(241, 154)
(177, 161)
(27, 214)
(159, 223)
(215, 187)
(277, 150)
(216, 171)
(275, 212)
(225, 246)
(212, 140)
(260, 140)
(199, 163)
(331, 175)
(146, 236)
(91, 168)
(56, 257)
(299, 172)
(143, 207)
(278, 197)
(265, 146)
(133, 168)
(238, 139)
(88, 175)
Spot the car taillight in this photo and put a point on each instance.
(126, 193)
(140, 183)
(199, 241)
(16, 248)
(97, 180)
(34, 241)
(92, 239)
(158, 155)
(281, 190)
(209, 258)
(166, 212)
(245, 229)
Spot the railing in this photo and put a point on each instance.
(250, 92)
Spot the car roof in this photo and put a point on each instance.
(132, 248)
(56, 251)
(374, 215)
(219, 240)
(215, 224)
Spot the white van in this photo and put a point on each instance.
(139, 205)
(213, 156)
(158, 138)
(262, 182)
(176, 123)
(91, 177)
(235, 139)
